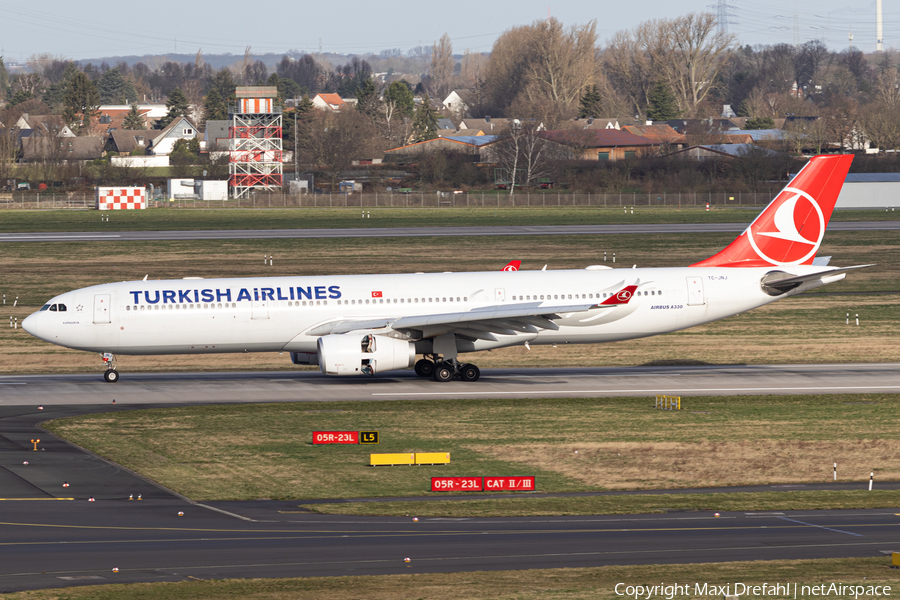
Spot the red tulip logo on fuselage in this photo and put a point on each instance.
(790, 231)
(623, 296)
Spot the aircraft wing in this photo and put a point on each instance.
(480, 323)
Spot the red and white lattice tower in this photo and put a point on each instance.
(255, 156)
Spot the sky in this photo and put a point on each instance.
(76, 29)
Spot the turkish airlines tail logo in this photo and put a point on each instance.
(790, 230)
(513, 265)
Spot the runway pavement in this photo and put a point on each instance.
(54, 536)
(268, 386)
(381, 232)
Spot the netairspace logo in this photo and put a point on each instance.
(789, 590)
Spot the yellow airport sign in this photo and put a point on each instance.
(432, 458)
(376, 460)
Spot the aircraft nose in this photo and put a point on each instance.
(32, 325)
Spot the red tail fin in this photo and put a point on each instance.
(513, 265)
(790, 230)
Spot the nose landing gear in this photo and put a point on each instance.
(109, 361)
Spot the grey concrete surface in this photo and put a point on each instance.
(288, 385)
(510, 230)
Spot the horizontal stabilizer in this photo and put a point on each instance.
(779, 282)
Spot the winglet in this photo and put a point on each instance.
(623, 296)
(513, 265)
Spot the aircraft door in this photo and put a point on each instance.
(260, 310)
(101, 308)
(695, 291)
(499, 294)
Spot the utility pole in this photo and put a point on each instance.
(296, 158)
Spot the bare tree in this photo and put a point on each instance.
(332, 141)
(540, 65)
(697, 50)
(441, 67)
(563, 63)
(879, 123)
(687, 53)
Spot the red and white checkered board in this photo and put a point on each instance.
(122, 199)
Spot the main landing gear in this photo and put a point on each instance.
(111, 375)
(445, 370)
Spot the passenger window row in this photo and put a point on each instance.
(181, 306)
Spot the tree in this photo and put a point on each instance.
(441, 67)
(134, 119)
(401, 95)
(332, 141)
(425, 122)
(760, 123)
(687, 53)
(4, 79)
(697, 50)
(367, 98)
(184, 154)
(590, 103)
(223, 82)
(543, 68)
(398, 106)
(663, 105)
(80, 102)
(177, 106)
(114, 88)
(214, 108)
(880, 123)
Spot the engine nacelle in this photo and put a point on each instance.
(363, 354)
(304, 358)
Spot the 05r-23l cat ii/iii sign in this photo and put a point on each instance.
(369, 324)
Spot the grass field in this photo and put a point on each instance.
(535, 584)
(265, 451)
(13, 221)
(808, 328)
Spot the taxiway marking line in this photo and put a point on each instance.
(820, 526)
(653, 391)
(31, 499)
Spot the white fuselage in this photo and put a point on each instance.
(265, 314)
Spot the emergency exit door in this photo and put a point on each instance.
(101, 308)
(695, 291)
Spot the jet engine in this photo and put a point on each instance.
(363, 354)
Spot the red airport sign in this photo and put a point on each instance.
(335, 437)
(456, 484)
(512, 484)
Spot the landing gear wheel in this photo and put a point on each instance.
(111, 376)
(443, 372)
(469, 373)
(424, 368)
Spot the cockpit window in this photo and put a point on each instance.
(53, 308)
(62, 308)
(45, 307)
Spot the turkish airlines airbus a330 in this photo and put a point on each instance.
(368, 324)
